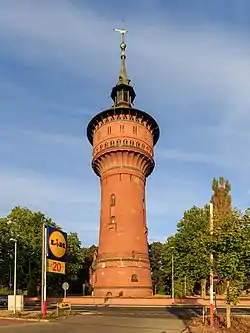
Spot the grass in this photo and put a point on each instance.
(238, 325)
(36, 315)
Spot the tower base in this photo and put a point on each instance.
(123, 291)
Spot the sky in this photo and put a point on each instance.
(189, 62)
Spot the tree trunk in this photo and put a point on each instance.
(203, 288)
(228, 307)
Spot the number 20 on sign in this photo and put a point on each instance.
(55, 266)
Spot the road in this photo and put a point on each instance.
(112, 319)
(96, 323)
(180, 311)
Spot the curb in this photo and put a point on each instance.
(25, 319)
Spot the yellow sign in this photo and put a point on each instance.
(64, 306)
(57, 244)
(55, 266)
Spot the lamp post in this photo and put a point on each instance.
(172, 248)
(211, 269)
(15, 277)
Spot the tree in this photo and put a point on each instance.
(83, 275)
(189, 244)
(26, 227)
(156, 263)
(221, 197)
(230, 246)
(75, 255)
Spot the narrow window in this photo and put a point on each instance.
(134, 129)
(112, 220)
(109, 130)
(121, 128)
(125, 96)
(112, 200)
(119, 96)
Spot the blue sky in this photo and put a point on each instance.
(190, 66)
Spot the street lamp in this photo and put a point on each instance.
(172, 248)
(15, 279)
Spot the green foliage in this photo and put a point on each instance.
(26, 227)
(230, 246)
(189, 247)
(6, 291)
(75, 255)
(192, 244)
(156, 263)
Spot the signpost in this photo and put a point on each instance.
(65, 287)
(63, 306)
(57, 251)
(54, 249)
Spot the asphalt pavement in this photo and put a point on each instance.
(111, 319)
(99, 323)
(180, 311)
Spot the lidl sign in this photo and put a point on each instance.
(57, 244)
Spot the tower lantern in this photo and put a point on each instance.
(123, 140)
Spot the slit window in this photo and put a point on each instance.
(119, 96)
(134, 129)
(109, 130)
(125, 96)
(112, 220)
(121, 128)
(112, 200)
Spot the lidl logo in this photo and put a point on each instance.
(57, 243)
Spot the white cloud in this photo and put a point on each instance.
(67, 199)
(195, 63)
(171, 65)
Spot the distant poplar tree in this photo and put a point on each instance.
(221, 198)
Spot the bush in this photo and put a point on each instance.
(7, 291)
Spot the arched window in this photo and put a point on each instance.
(134, 278)
(112, 200)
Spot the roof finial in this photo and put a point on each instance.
(123, 78)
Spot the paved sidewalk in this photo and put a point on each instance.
(97, 324)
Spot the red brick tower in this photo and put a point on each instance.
(123, 140)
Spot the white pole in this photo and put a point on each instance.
(45, 274)
(15, 277)
(211, 269)
(185, 286)
(42, 270)
(173, 278)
